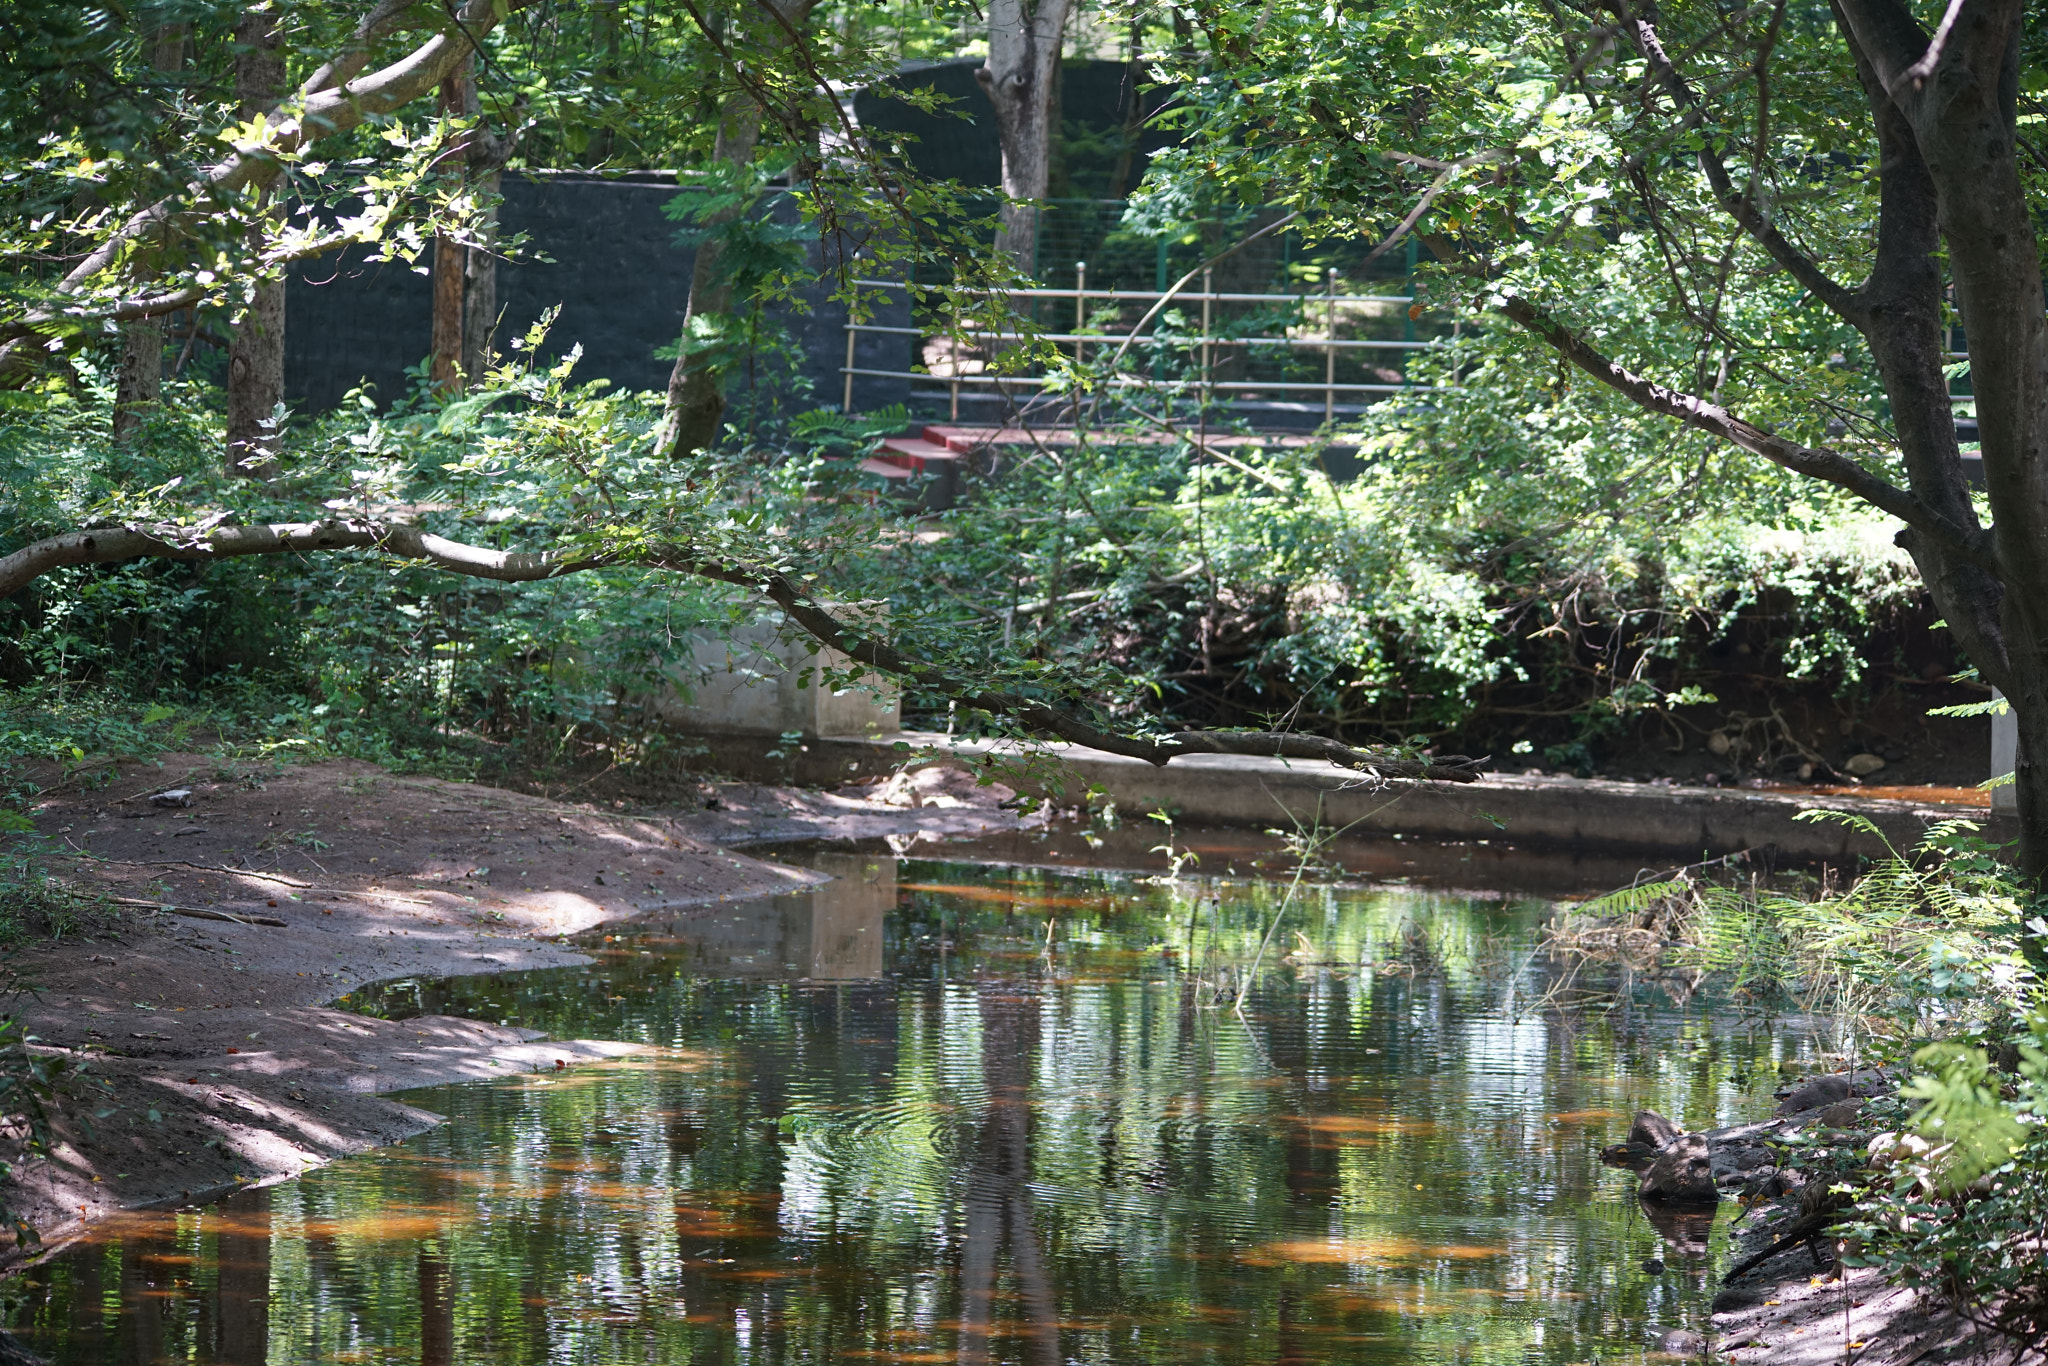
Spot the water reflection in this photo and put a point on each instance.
(941, 1113)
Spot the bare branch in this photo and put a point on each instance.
(171, 301)
(118, 544)
(1738, 205)
(1484, 157)
(1829, 466)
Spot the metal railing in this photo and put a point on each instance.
(1206, 350)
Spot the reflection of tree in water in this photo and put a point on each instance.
(998, 1195)
(1003, 1153)
(242, 1251)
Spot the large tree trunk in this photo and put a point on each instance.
(256, 345)
(1021, 78)
(696, 386)
(139, 386)
(1946, 118)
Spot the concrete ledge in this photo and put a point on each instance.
(1579, 816)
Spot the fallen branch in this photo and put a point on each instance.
(114, 545)
(198, 867)
(198, 913)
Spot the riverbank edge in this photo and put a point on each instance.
(1579, 816)
(238, 1070)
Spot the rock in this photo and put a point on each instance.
(1747, 1159)
(1862, 765)
(1737, 1297)
(1889, 1149)
(1821, 1092)
(1816, 1094)
(177, 796)
(1634, 1156)
(1842, 1114)
(940, 785)
(1736, 1164)
(1682, 1342)
(1682, 1174)
(1781, 1183)
(1653, 1130)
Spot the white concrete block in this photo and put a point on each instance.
(2005, 756)
(756, 684)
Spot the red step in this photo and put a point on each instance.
(961, 440)
(914, 454)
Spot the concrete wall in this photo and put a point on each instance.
(754, 684)
(1572, 815)
(602, 250)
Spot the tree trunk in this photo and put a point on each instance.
(480, 281)
(1946, 119)
(609, 33)
(140, 383)
(466, 276)
(451, 260)
(1021, 78)
(256, 346)
(696, 386)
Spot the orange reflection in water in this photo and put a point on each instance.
(1363, 1126)
(1345, 1251)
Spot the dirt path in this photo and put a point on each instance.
(212, 1056)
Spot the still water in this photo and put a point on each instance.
(942, 1112)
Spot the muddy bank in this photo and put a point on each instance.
(208, 1053)
(1786, 1301)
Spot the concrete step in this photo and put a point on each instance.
(882, 467)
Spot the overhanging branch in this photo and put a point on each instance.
(1817, 463)
(118, 544)
(313, 115)
(1735, 202)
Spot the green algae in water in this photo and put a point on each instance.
(948, 1113)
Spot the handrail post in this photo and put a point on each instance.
(1330, 353)
(1080, 306)
(846, 404)
(1208, 376)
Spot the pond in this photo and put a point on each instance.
(947, 1112)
